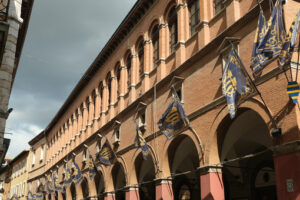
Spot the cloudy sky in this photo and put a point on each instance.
(63, 39)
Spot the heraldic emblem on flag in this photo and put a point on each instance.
(57, 185)
(269, 40)
(77, 173)
(141, 142)
(289, 44)
(106, 154)
(92, 167)
(236, 84)
(172, 120)
(67, 178)
(50, 187)
(30, 196)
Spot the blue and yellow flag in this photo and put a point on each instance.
(92, 167)
(106, 154)
(67, 178)
(77, 173)
(236, 84)
(39, 196)
(270, 39)
(14, 197)
(172, 120)
(50, 187)
(30, 196)
(58, 187)
(141, 142)
(289, 44)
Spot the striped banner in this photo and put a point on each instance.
(293, 90)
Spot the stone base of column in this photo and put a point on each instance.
(163, 189)
(132, 193)
(211, 181)
(287, 170)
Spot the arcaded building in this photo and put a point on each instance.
(164, 44)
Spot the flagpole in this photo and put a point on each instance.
(268, 111)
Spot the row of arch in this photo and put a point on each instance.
(126, 73)
(183, 155)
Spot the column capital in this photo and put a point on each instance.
(210, 169)
(160, 181)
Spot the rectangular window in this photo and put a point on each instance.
(42, 153)
(219, 5)
(194, 15)
(33, 157)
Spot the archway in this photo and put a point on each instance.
(99, 183)
(183, 157)
(73, 191)
(56, 195)
(49, 196)
(85, 188)
(119, 181)
(254, 177)
(145, 173)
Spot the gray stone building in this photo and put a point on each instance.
(14, 20)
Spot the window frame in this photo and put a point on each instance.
(155, 45)
(194, 13)
(173, 29)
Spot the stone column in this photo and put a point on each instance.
(91, 115)
(287, 170)
(147, 63)
(104, 104)
(79, 126)
(84, 117)
(97, 110)
(113, 94)
(109, 196)
(79, 194)
(203, 28)
(164, 190)
(132, 193)
(134, 74)
(161, 69)
(122, 84)
(70, 132)
(75, 128)
(182, 32)
(211, 183)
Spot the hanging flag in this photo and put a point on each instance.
(50, 187)
(92, 167)
(77, 173)
(141, 142)
(14, 197)
(236, 84)
(293, 90)
(172, 120)
(67, 178)
(39, 192)
(106, 154)
(30, 196)
(258, 59)
(58, 187)
(289, 44)
(271, 44)
(39, 196)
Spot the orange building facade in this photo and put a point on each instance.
(181, 44)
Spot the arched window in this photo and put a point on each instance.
(128, 65)
(118, 75)
(141, 57)
(172, 24)
(108, 82)
(155, 45)
(194, 15)
(101, 88)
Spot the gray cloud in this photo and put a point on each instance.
(63, 39)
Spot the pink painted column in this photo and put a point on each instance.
(212, 187)
(132, 193)
(287, 170)
(109, 196)
(164, 190)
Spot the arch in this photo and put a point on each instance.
(172, 28)
(155, 22)
(119, 180)
(127, 59)
(73, 191)
(167, 10)
(145, 173)
(85, 188)
(183, 157)
(140, 43)
(248, 133)
(132, 179)
(101, 91)
(154, 35)
(211, 152)
(100, 185)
